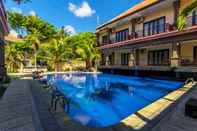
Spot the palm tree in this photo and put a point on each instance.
(56, 50)
(34, 39)
(15, 55)
(11, 57)
(86, 48)
(181, 21)
(16, 21)
(38, 31)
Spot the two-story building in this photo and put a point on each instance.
(3, 31)
(144, 41)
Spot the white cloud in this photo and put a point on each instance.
(32, 12)
(69, 29)
(13, 33)
(15, 9)
(84, 10)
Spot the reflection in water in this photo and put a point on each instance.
(94, 86)
(94, 97)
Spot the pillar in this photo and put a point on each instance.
(98, 39)
(107, 61)
(109, 31)
(117, 58)
(130, 28)
(175, 55)
(132, 59)
(2, 59)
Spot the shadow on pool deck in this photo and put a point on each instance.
(27, 106)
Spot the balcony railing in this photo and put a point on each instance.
(165, 28)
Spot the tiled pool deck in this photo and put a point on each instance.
(149, 116)
(25, 106)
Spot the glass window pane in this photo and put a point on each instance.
(151, 29)
(146, 28)
(161, 25)
(155, 27)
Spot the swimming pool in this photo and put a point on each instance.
(102, 100)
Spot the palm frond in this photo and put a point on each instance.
(181, 21)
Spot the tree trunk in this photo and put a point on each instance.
(57, 68)
(35, 59)
(21, 67)
(88, 64)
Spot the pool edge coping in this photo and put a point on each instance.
(161, 106)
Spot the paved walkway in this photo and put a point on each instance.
(42, 101)
(176, 120)
(17, 112)
(21, 109)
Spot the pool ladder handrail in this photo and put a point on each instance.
(189, 80)
(57, 96)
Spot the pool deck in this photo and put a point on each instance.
(165, 114)
(25, 106)
(17, 109)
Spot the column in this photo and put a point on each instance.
(130, 28)
(117, 58)
(2, 59)
(107, 61)
(175, 55)
(132, 59)
(109, 31)
(98, 39)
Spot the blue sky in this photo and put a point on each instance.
(78, 15)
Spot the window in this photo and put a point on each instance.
(158, 57)
(146, 29)
(194, 18)
(161, 25)
(104, 39)
(154, 27)
(124, 58)
(122, 35)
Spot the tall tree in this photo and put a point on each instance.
(36, 24)
(15, 54)
(181, 22)
(57, 50)
(38, 31)
(85, 48)
(17, 22)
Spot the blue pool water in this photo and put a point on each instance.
(101, 100)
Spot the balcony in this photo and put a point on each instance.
(139, 35)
